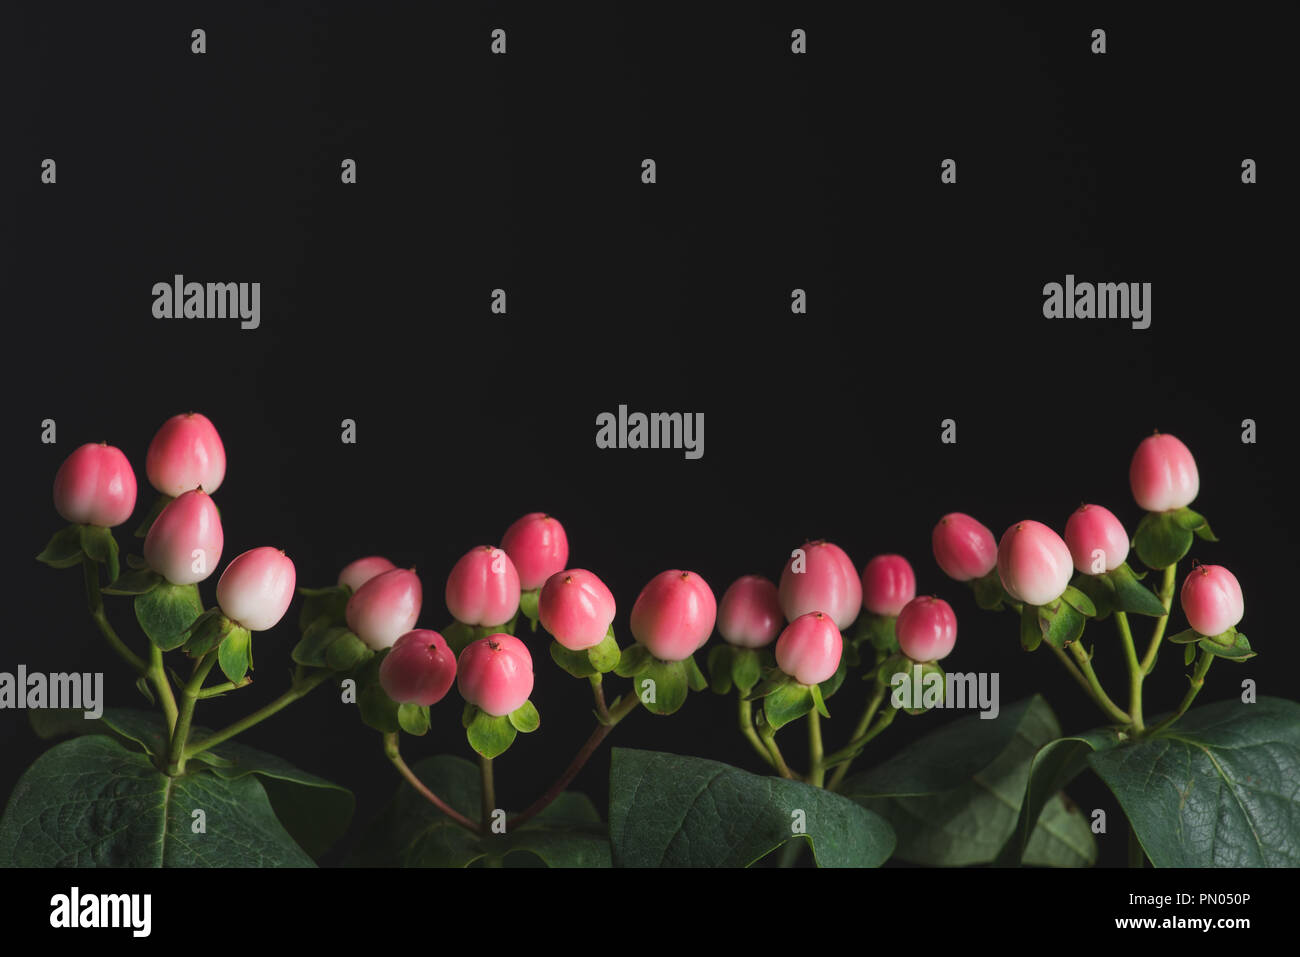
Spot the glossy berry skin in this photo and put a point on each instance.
(828, 582)
(185, 541)
(186, 453)
(749, 615)
(576, 609)
(1092, 529)
(926, 629)
(483, 587)
(1212, 600)
(1163, 474)
(355, 574)
(257, 587)
(496, 674)
(385, 607)
(418, 669)
(539, 548)
(963, 547)
(674, 614)
(809, 648)
(1034, 563)
(888, 583)
(95, 486)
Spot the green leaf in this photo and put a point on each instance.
(235, 655)
(1184, 637)
(1061, 623)
(411, 832)
(877, 630)
(63, 550)
(525, 718)
(490, 736)
(773, 679)
(330, 602)
(1232, 645)
(346, 651)
(746, 668)
(167, 612)
(1189, 654)
(208, 631)
(377, 709)
(1131, 596)
(819, 700)
(576, 663)
(139, 581)
(92, 802)
(316, 640)
(989, 593)
(605, 656)
(1079, 601)
(413, 718)
(788, 703)
(1193, 522)
(720, 662)
(669, 687)
(670, 810)
(1031, 632)
(1054, 766)
(1099, 590)
(954, 796)
(1217, 789)
(98, 542)
(633, 660)
(833, 683)
(528, 602)
(458, 635)
(1160, 540)
(160, 503)
(695, 679)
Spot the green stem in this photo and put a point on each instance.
(816, 772)
(394, 754)
(847, 753)
(212, 691)
(189, 699)
(90, 571)
(1166, 596)
(621, 709)
(746, 718)
(487, 794)
(1197, 681)
(1135, 672)
(598, 694)
(864, 722)
(300, 687)
(157, 676)
(1073, 669)
(778, 760)
(1110, 708)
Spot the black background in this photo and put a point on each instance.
(522, 171)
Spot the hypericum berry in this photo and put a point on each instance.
(186, 453)
(496, 674)
(483, 587)
(674, 614)
(419, 669)
(963, 547)
(823, 579)
(355, 574)
(888, 583)
(809, 648)
(1034, 563)
(95, 486)
(385, 607)
(539, 548)
(1163, 474)
(1096, 539)
(256, 588)
(750, 615)
(1212, 600)
(185, 541)
(926, 629)
(576, 608)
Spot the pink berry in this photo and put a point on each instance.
(496, 674)
(385, 607)
(750, 615)
(1096, 539)
(674, 614)
(824, 579)
(926, 629)
(1212, 600)
(186, 453)
(185, 541)
(963, 547)
(483, 587)
(1163, 474)
(95, 486)
(256, 588)
(809, 648)
(1034, 563)
(576, 608)
(355, 574)
(539, 548)
(419, 669)
(888, 583)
